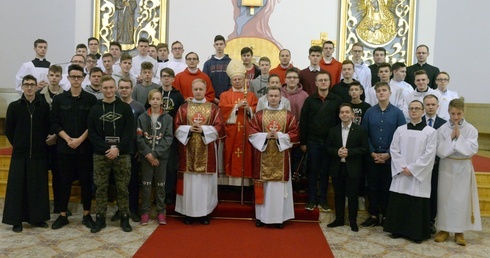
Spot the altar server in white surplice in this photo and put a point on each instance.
(273, 131)
(458, 209)
(413, 151)
(199, 125)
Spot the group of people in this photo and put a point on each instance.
(378, 131)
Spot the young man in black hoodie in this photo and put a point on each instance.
(111, 129)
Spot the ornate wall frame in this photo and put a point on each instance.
(126, 21)
(378, 23)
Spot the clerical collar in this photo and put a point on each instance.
(312, 69)
(279, 107)
(419, 126)
(426, 90)
(41, 63)
(193, 70)
(202, 101)
(284, 67)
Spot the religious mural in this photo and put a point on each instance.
(252, 29)
(378, 23)
(125, 21)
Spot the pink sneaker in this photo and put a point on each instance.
(161, 219)
(144, 219)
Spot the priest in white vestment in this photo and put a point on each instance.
(413, 152)
(199, 125)
(458, 209)
(272, 133)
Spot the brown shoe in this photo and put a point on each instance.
(441, 236)
(459, 238)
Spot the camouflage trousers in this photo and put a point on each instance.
(121, 167)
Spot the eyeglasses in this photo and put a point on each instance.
(323, 80)
(166, 76)
(292, 77)
(75, 77)
(442, 80)
(192, 59)
(177, 48)
(415, 109)
(29, 85)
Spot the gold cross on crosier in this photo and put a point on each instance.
(236, 101)
(238, 152)
(239, 125)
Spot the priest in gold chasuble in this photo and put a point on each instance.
(199, 127)
(272, 132)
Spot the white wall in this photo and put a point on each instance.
(63, 23)
(293, 27)
(462, 48)
(449, 27)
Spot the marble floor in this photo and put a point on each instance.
(74, 240)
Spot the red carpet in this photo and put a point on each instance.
(235, 238)
(481, 164)
(6, 151)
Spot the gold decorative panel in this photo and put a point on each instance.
(378, 23)
(125, 21)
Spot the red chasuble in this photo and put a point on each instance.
(272, 164)
(183, 83)
(197, 157)
(237, 152)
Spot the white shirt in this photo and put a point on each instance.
(444, 100)
(406, 87)
(345, 134)
(138, 60)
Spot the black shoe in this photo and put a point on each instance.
(60, 222)
(205, 220)
(259, 223)
(68, 213)
(135, 217)
(353, 226)
(370, 222)
(432, 228)
(41, 225)
(88, 221)
(99, 223)
(17, 228)
(395, 236)
(417, 241)
(188, 220)
(126, 227)
(116, 216)
(279, 225)
(336, 223)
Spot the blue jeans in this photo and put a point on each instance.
(318, 162)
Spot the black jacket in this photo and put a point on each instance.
(26, 128)
(357, 146)
(317, 117)
(70, 114)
